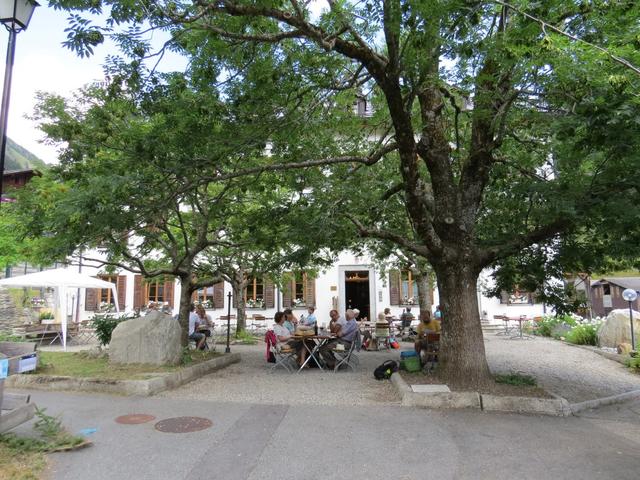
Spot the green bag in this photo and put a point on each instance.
(412, 364)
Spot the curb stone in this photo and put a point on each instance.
(147, 387)
(601, 402)
(541, 406)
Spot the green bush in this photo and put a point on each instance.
(246, 337)
(9, 337)
(105, 325)
(585, 334)
(549, 323)
(633, 363)
(46, 316)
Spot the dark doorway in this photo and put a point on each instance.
(356, 292)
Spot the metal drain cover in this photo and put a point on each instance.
(135, 418)
(183, 424)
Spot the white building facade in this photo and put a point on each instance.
(351, 282)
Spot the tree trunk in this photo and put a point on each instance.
(463, 362)
(238, 290)
(186, 290)
(423, 281)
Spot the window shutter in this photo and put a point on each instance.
(286, 293)
(269, 293)
(169, 287)
(394, 287)
(218, 295)
(91, 300)
(234, 298)
(138, 292)
(310, 291)
(121, 288)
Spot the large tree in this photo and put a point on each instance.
(485, 107)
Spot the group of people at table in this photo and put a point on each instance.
(342, 330)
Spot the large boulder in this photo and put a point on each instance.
(154, 339)
(616, 328)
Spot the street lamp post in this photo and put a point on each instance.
(15, 15)
(630, 296)
(228, 350)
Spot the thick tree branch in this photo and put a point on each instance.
(386, 235)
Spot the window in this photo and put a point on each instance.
(154, 292)
(516, 297)
(408, 288)
(254, 293)
(299, 290)
(106, 294)
(204, 295)
(606, 289)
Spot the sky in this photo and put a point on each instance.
(42, 63)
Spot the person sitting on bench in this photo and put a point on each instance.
(195, 336)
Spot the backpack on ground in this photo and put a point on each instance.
(384, 371)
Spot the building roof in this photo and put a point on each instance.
(624, 282)
(34, 171)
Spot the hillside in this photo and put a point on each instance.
(19, 158)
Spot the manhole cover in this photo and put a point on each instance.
(135, 418)
(183, 424)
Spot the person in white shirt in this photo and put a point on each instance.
(285, 337)
(197, 337)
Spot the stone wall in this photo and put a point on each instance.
(11, 316)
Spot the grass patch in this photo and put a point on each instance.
(516, 379)
(80, 364)
(22, 457)
(20, 465)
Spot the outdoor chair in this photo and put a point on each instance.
(431, 351)
(349, 357)
(285, 358)
(507, 328)
(383, 336)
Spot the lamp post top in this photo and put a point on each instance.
(16, 14)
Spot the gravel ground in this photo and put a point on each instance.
(250, 381)
(571, 372)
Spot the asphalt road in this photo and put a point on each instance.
(263, 442)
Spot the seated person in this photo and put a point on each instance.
(345, 332)
(336, 321)
(290, 321)
(406, 318)
(311, 319)
(204, 321)
(285, 338)
(197, 337)
(427, 325)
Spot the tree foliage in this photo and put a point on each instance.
(504, 127)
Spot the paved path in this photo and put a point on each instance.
(571, 372)
(302, 442)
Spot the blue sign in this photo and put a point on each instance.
(4, 367)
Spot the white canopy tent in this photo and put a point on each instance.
(63, 281)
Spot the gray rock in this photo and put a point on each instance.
(153, 339)
(616, 328)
